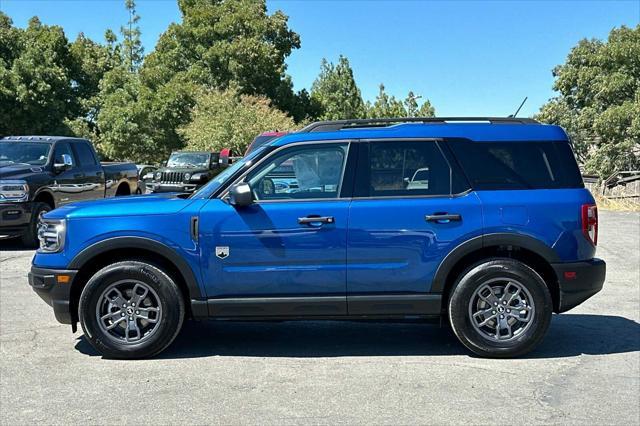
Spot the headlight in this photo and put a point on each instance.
(198, 177)
(14, 191)
(51, 234)
(158, 176)
(187, 176)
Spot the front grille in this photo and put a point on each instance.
(172, 177)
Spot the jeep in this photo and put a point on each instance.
(483, 223)
(186, 171)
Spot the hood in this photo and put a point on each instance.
(191, 170)
(10, 170)
(156, 204)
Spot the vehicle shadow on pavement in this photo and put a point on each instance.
(569, 335)
(13, 244)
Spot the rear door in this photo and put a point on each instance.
(410, 208)
(92, 179)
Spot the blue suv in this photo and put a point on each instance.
(483, 222)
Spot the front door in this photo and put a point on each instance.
(67, 186)
(286, 253)
(406, 216)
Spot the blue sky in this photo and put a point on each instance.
(467, 57)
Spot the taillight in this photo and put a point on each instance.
(590, 222)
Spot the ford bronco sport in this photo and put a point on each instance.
(498, 234)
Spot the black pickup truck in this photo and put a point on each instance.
(40, 173)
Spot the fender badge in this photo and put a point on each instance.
(222, 252)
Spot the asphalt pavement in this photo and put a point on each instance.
(587, 370)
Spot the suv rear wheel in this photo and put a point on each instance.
(131, 310)
(500, 308)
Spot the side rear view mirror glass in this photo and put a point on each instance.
(63, 162)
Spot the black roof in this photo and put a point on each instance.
(50, 139)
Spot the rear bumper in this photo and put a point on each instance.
(579, 281)
(45, 283)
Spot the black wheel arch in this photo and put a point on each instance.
(115, 249)
(43, 195)
(524, 248)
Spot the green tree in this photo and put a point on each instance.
(599, 101)
(131, 45)
(36, 93)
(228, 119)
(386, 106)
(219, 43)
(426, 109)
(336, 91)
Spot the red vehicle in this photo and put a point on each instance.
(263, 138)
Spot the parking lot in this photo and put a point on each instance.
(586, 371)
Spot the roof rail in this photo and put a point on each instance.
(328, 126)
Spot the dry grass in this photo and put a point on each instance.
(618, 204)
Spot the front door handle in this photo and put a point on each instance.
(443, 217)
(310, 220)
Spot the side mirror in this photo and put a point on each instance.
(66, 163)
(240, 195)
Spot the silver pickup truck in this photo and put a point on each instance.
(40, 173)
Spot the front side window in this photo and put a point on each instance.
(63, 148)
(308, 172)
(407, 169)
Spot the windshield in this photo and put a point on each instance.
(31, 153)
(189, 159)
(221, 178)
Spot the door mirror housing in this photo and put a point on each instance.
(63, 163)
(240, 195)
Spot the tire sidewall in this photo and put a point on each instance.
(171, 304)
(30, 236)
(476, 276)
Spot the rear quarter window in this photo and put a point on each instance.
(517, 165)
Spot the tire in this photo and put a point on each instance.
(475, 321)
(30, 236)
(97, 300)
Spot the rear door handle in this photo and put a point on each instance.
(310, 220)
(443, 217)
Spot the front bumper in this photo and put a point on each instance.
(579, 281)
(14, 219)
(163, 187)
(46, 283)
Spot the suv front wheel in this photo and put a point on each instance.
(500, 308)
(131, 310)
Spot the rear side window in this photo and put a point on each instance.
(518, 165)
(85, 154)
(406, 168)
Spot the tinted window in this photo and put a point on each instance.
(408, 168)
(85, 154)
(518, 165)
(300, 173)
(63, 148)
